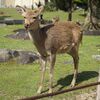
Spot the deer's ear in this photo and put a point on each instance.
(38, 11)
(41, 8)
(20, 9)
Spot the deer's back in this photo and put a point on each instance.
(61, 36)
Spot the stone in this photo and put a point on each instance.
(19, 34)
(26, 57)
(14, 53)
(18, 21)
(92, 32)
(96, 57)
(21, 57)
(2, 25)
(5, 55)
(9, 21)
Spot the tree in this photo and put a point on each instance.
(65, 5)
(93, 16)
(81, 1)
(70, 10)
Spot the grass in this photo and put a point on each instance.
(19, 81)
(12, 13)
(9, 12)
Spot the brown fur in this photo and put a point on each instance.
(60, 37)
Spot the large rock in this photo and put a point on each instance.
(5, 55)
(92, 32)
(26, 57)
(96, 57)
(21, 57)
(19, 34)
(10, 21)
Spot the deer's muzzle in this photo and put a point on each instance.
(26, 26)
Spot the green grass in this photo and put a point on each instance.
(18, 80)
(12, 13)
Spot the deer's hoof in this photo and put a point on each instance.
(73, 83)
(50, 91)
(39, 90)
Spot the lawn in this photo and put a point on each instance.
(17, 81)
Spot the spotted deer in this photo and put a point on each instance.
(59, 37)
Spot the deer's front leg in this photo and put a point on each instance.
(52, 63)
(43, 66)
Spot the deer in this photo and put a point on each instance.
(57, 38)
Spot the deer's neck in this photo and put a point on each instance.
(34, 33)
(38, 37)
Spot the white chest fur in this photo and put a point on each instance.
(30, 36)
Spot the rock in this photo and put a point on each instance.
(26, 57)
(5, 55)
(2, 25)
(18, 21)
(91, 32)
(9, 21)
(15, 53)
(21, 57)
(19, 34)
(96, 57)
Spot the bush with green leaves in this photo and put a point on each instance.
(62, 4)
(65, 4)
(50, 6)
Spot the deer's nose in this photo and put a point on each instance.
(26, 26)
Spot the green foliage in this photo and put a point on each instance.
(81, 1)
(50, 6)
(62, 4)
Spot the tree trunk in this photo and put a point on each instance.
(70, 10)
(93, 17)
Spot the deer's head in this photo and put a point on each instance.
(31, 17)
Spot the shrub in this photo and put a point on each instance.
(50, 6)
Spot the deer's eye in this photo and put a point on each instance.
(24, 17)
(34, 17)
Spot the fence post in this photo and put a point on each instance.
(98, 89)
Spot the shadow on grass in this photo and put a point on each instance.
(66, 81)
(83, 76)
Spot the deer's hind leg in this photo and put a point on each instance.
(74, 54)
(52, 63)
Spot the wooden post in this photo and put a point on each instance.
(98, 89)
